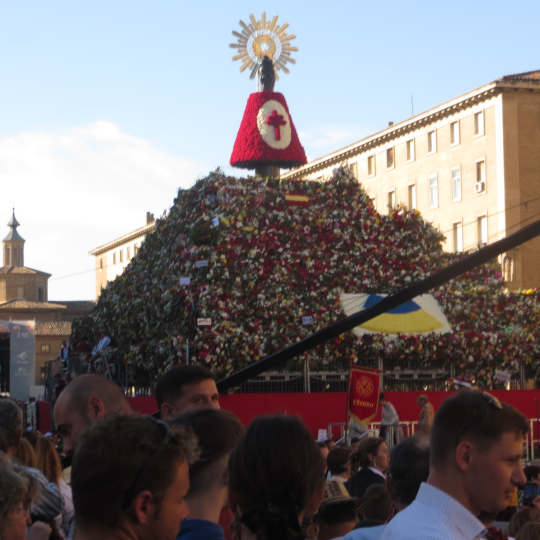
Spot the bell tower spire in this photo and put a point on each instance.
(13, 244)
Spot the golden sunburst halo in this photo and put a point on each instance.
(263, 38)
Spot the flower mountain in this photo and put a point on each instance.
(240, 268)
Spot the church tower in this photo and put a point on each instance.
(13, 244)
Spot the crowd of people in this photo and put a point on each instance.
(192, 471)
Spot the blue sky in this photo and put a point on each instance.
(108, 107)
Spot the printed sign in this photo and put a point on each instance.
(21, 358)
(211, 199)
(322, 435)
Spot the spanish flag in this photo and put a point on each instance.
(296, 199)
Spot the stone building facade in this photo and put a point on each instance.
(470, 166)
(24, 296)
(113, 257)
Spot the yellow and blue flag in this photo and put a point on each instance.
(421, 315)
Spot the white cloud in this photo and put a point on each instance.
(321, 140)
(75, 190)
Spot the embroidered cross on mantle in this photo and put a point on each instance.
(276, 120)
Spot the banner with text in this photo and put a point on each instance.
(21, 357)
(363, 395)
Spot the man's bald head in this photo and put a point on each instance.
(84, 401)
(82, 388)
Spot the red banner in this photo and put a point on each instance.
(363, 395)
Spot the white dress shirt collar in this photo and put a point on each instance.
(434, 515)
(376, 471)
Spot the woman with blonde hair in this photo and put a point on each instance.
(48, 462)
(25, 454)
(17, 490)
(14, 515)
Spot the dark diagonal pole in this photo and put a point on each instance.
(386, 304)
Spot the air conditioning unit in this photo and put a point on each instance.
(479, 187)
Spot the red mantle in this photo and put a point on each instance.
(251, 151)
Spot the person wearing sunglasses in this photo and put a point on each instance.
(476, 448)
(130, 479)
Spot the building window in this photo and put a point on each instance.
(121, 255)
(20, 292)
(481, 170)
(432, 142)
(480, 185)
(135, 250)
(389, 158)
(40, 294)
(15, 256)
(412, 197)
(433, 191)
(114, 258)
(479, 123)
(8, 256)
(410, 150)
(391, 201)
(456, 184)
(353, 167)
(454, 132)
(457, 230)
(371, 165)
(45, 348)
(509, 268)
(482, 230)
(128, 253)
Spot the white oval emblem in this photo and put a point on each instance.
(274, 124)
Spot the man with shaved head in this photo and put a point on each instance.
(84, 401)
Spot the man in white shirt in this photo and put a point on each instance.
(475, 465)
(390, 429)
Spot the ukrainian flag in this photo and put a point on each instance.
(421, 315)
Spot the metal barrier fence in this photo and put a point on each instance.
(337, 381)
(533, 439)
(412, 378)
(531, 445)
(393, 435)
